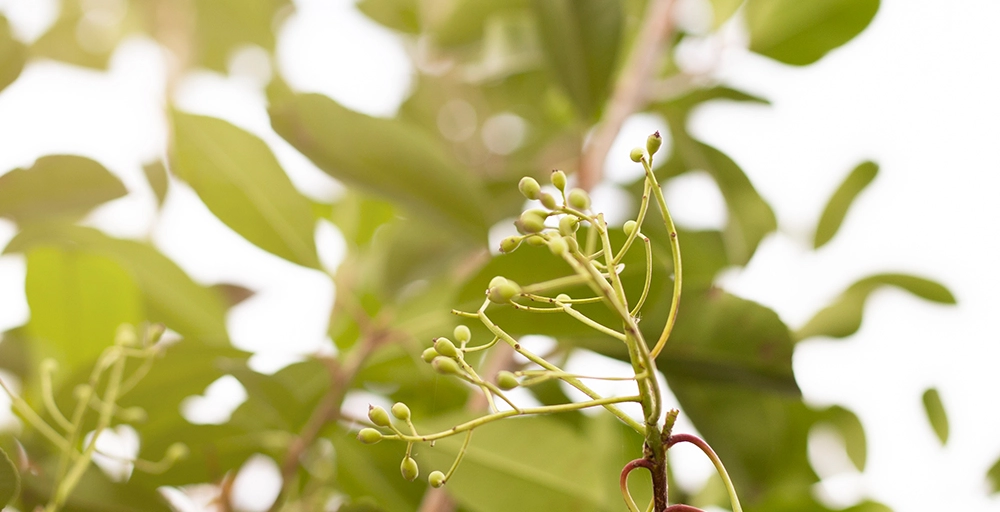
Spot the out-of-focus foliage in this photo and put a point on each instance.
(422, 191)
(936, 414)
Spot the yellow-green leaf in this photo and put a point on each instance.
(801, 32)
(936, 414)
(156, 175)
(10, 480)
(840, 202)
(56, 186)
(12, 55)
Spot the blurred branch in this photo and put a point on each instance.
(631, 91)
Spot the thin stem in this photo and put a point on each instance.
(623, 481)
(649, 276)
(643, 206)
(461, 455)
(48, 398)
(675, 252)
(593, 324)
(700, 443)
(36, 421)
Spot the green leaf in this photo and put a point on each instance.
(390, 158)
(851, 431)
(581, 39)
(936, 414)
(57, 186)
(156, 175)
(13, 55)
(221, 26)
(10, 480)
(843, 317)
(401, 15)
(722, 10)
(840, 202)
(77, 39)
(800, 33)
(241, 182)
(170, 296)
(993, 476)
(464, 21)
(371, 473)
(94, 492)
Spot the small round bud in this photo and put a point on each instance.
(378, 416)
(531, 222)
(177, 451)
(629, 227)
(400, 411)
(535, 241)
(429, 354)
(436, 479)
(562, 297)
(558, 246)
(497, 281)
(529, 187)
(503, 293)
(445, 347)
(409, 469)
(369, 436)
(568, 225)
(445, 365)
(462, 333)
(509, 244)
(637, 154)
(507, 380)
(558, 179)
(653, 143)
(578, 199)
(548, 201)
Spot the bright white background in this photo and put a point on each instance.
(916, 92)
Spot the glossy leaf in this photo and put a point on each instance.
(800, 33)
(581, 39)
(10, 480)
(13, 55)
(841, 201)
(222, 26)
(239, 179)
(156, 175)
(54, 187)
(170, 296)
(851, 431)
(389, 158)
(936, 414)
(843, 317)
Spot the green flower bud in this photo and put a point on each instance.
(529, 187)
(436, 479)
(636, 155)
(445, 365)
(409, 469)
(507, 380)
(629, 227)
(400, 411)
(378, 416)
(578, 199)
(558, 246)
(497, 281)
(509, 244)
(535, 241)
(531, 222)
(504, 292)
(568, 225)
(445, 347)
(558, 179)
(369, 436)
(653, 143)
(462, 333)
(548, 201)
(429, 354)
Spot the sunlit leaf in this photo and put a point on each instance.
(389, 158)
(581, 39)
(851, 431)
(843, 317)
(222, 26)
(841, 201)
(800, 33)
(401, 15)
(156, 175)
(10, 480)
(241, 182)
(936, 414)
(12, 55)
(58, 186)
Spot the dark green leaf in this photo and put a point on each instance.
(387, 157)
(170, 296)
(800, 33)
(843, 317)
(241, 182)
(851, 431)
(401, 15)
(156, 175)
(581, 40)
(993, 476)
(936, 414)
(59, 186)
(13, 55)
(10, 480)
(840, 202)
(221, 26)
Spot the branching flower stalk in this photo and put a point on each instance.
(597, 265)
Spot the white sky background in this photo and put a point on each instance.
(916, 92)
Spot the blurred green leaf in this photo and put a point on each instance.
(936, 414)
(77, 301)
(841, 201)
(359, 215)
(283, 401)
(94, 492)
(241, 182)
(372, 472)
(156, 175)
(15, 353)
(83, 40)
(464, 21)
(10, 480)
(800, 33)
(222, 26)
(387, 157)
(722, 10)
(401, 15)
(170, 296)
(581, 39)
(13, 55)
(843, 317)
(56, 186)
(232, 293)
(851, 431)
(993, 476)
